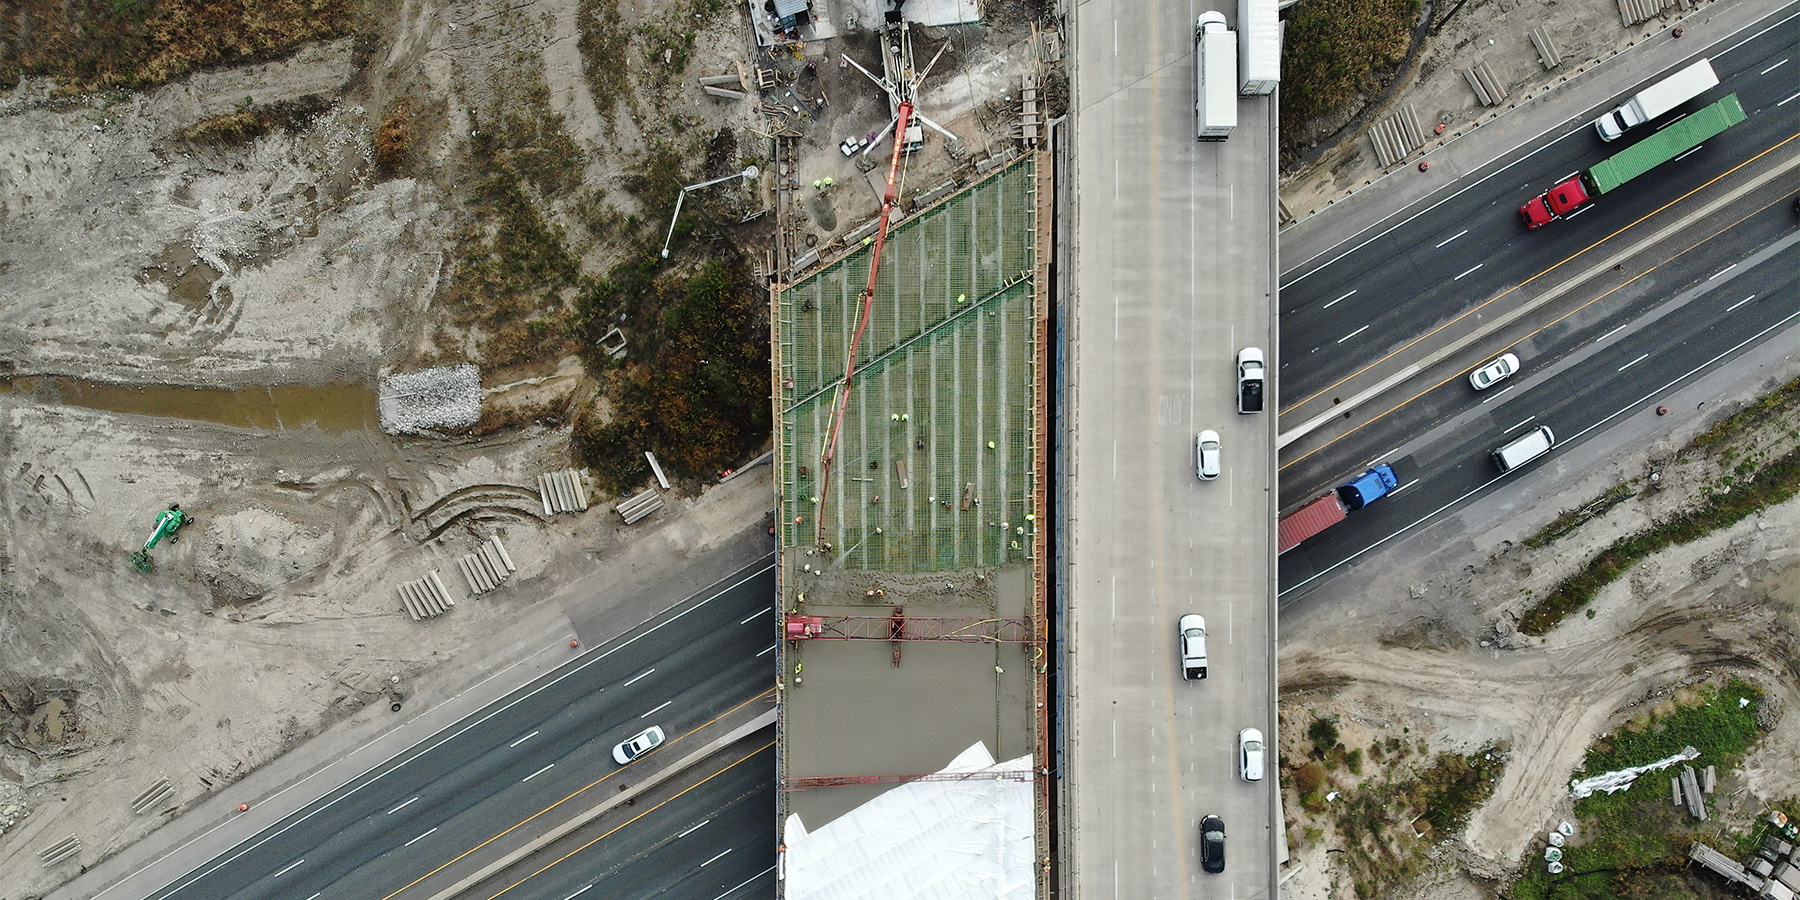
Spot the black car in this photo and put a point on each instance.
(1212, 844)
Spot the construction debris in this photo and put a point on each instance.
(488, 567)
(444, 397)
(1613, 782)
(425, 598)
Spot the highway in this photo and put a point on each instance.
(385, 831)
(1343, 311)
(1663, 288)
(1171, 276)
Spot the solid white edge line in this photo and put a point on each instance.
(220, 862)
(1565, 442)
(744, 882)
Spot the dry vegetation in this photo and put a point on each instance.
(1335, 50)
(135, 43)
(1386, 806)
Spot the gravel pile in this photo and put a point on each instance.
(446, 397)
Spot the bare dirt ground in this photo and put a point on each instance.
(1426, 655)
(283, 273)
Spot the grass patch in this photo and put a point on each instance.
(1387, 828)
(138, 43)
(250, 121)
(1332, 50)
(700, 400)
(605, 54)
(1575, 518)
(515, 269)
(1774, 484)
(1634, 843)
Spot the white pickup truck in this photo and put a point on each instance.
(1193, 647)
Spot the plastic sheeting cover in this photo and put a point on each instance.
(923, 841)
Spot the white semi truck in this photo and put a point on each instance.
(1216, 72)
(1658, 99)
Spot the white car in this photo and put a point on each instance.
(1206, 455)
(645, 741)
(1495, 372)
(1250, 755)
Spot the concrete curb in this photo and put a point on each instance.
(706, 751)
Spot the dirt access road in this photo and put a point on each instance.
(1414, 642)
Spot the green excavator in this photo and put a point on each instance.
(168, 522)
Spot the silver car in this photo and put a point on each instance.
(1206, 455)
(643, 742)
(1495, 372)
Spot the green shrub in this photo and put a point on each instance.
(1775, 484)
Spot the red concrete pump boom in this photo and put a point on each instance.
(903, 118)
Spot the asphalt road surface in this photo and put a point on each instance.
(523, 753)
(1705, 309)
(1399, 281)
(1171, 277)
(1719, 286)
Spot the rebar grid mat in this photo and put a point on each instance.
(933, 468)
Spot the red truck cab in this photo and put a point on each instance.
(1555, 203)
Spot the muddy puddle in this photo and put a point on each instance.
(336, 407)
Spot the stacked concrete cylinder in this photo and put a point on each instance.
(487, 567)
(425, 598)
(562, 492)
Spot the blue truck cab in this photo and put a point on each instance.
(1367, 488)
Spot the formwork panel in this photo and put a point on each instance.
(933, 465)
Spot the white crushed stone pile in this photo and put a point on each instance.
(444, 397)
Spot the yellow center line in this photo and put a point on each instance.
(602, 779)
(1571, 258)
(1535, 332)
(614, 829)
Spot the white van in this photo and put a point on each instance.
(1533, 444)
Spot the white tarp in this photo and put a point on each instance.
(1613, 782)
(927, 840)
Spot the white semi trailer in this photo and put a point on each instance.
(1216, 71)
(1259, 47)
(1658, 99)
